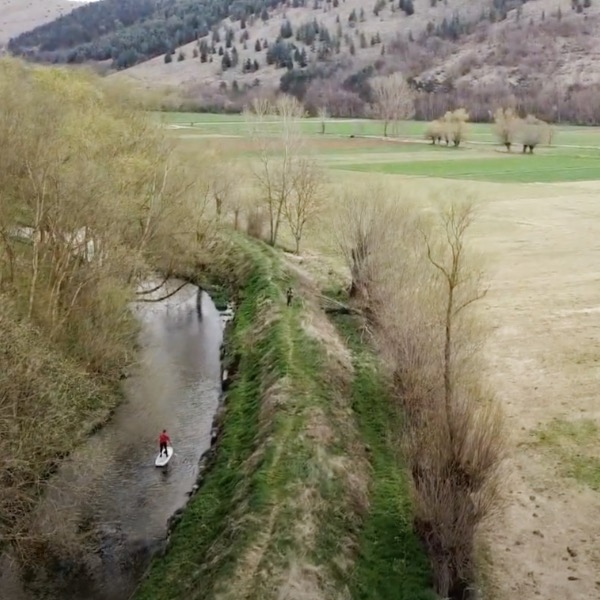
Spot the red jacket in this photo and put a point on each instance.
(164, 438)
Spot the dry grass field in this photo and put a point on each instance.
(540, 243)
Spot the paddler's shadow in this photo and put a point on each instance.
(165, 471)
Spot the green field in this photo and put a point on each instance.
(479, 133)
(519, 169)
(574, 155)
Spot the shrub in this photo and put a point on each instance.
(256, 222)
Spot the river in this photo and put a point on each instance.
(109, 492)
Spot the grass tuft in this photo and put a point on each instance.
(392, 563)
(574, 444)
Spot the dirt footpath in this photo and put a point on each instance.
(543, 247)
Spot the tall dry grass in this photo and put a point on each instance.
(422, 287)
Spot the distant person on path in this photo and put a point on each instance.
(290, 296)
(163, 440)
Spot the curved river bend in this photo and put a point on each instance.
(110, 490)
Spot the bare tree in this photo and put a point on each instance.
(461, 283)
(455, 126)
(506, 126)
(534, 132)
(366, 232)
(305, 202)
(221, 180)
(278, 149)
(393, 99)
(323, 116)
(453, 436)
(435, 131)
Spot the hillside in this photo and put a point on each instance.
(542, 57)
(539, 54)
(17, 16)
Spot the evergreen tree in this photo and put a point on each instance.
(226, 61)
(303, 58)
(285, 30)
(257, 46)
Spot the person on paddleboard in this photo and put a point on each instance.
(163, 440)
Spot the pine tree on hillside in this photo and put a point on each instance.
(226, 61)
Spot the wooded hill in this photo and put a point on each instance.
(130, 31)
(538, 56)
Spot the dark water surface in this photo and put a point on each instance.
(110, 488)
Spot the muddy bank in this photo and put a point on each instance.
(108, 509)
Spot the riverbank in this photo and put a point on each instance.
(305, 498)
(70, 404)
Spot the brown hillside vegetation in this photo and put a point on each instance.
(542, 58)
(459, 50)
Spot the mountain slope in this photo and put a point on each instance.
(538, 55)
(17, 16)
(541, 58)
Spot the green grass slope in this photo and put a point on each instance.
(295, 505)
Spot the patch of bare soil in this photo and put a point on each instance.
(543, 358)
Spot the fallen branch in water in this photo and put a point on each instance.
(165, 297)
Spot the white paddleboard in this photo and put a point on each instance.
(161, 461)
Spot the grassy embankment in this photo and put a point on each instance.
(305, 498)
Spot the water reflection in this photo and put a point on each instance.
(112, 484)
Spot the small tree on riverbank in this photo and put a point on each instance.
(275, 131)
(305, 201)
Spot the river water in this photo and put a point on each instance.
(109, 492)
